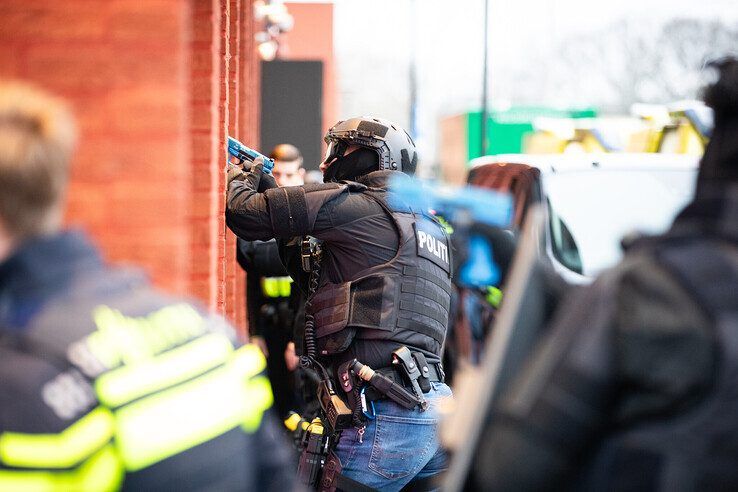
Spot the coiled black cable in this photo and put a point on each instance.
(309, 359)
(356, 419)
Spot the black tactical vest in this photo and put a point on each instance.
(696, 449)
(405, 300)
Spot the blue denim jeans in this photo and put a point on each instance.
(397, 446)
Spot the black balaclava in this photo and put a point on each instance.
(349, 167)
(720, 163)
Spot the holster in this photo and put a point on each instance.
(332, 480)
(423, 379)
(331, 469)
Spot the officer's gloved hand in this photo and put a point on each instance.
(267, 181)
(249, 178)
(234, 173)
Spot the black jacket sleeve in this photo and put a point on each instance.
(245, 254)
(630, 347)
(246, 211)
(278, 212)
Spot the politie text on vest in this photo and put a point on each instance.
(433, 246)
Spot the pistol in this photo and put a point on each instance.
(244, 154)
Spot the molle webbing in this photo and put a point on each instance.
(424, 301)
(419, 288)
(366, 297)
(422, 305)
(330, 307)
(424, 274)
(435, 332)
(423, 310)
(357, 303)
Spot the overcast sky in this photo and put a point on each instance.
(374, 41)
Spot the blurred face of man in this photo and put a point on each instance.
(288, 173)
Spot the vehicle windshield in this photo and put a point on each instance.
(591, 210)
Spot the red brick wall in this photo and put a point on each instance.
(156, 86)
(206, 130)
(248, 112)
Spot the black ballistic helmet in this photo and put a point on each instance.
(393, 145)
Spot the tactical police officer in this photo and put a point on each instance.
(635, 388)
(272, 305)
(106, 383)
(383, 288)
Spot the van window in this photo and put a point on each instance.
(591, 210)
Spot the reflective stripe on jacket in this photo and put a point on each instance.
(106, 383)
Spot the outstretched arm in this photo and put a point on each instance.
(247, 213)
(257, 209)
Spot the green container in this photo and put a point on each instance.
(506, 129)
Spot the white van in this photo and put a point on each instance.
(592, 200)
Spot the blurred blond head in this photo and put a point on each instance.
(37, 137)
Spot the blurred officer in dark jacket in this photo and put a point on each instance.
(272, 304)
(636, 388)
(106, 383)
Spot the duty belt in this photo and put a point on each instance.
(435, 375)
(404, 382)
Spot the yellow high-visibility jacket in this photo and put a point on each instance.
(106, 384)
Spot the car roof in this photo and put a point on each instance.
(555, 163)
